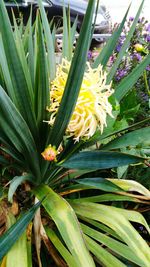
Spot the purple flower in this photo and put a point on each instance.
(118, 47)
(148, 28)
(136, 56)
(120, 43)
(148, 68)
(112, 59)
(144, 96)
(148, 38)
(120, 74)
(141, 228)
(89, 55)
(131, 18)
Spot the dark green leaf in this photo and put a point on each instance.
(22, 94)
(99, 160)
(42, 86)
(18, 131)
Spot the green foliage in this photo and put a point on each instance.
(77, 179)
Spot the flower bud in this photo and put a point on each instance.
(49, 153)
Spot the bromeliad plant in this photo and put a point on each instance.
(51, 117)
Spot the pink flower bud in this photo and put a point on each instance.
(49, 153)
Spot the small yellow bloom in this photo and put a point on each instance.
(138, 47)
(50, 153)
(92, 104)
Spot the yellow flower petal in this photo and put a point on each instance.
(92, 104)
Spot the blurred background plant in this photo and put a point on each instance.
(137, 104)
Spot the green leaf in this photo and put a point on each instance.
(5, 70)
(15, 231)
(127, 83)
(114, 245)
(31, 51)
(18, 131)
(65, 40)
(134, 216)
(106, 198)
(18, 253)
(15, 182)
(106, 52)
(74, 80)
(61, 248)
(118, 220)
(138, 137)
(49, 42)
(112, 131)
(105, 257)
(21, 53)
(130, 186)
(99, 183)
(101, 227)
(67, 224)
(23, 94)
(42, 86)
(94, 160)
(12, 152)
(73, 31)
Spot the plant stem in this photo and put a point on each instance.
(146, 82)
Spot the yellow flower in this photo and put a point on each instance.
(138, 47)
(92, 104)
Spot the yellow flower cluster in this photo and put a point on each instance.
(92, 104)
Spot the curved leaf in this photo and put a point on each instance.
(67, 224)
(61, 248)
(115, 245)
(15, 182)
(131, 186)
(116, 219)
